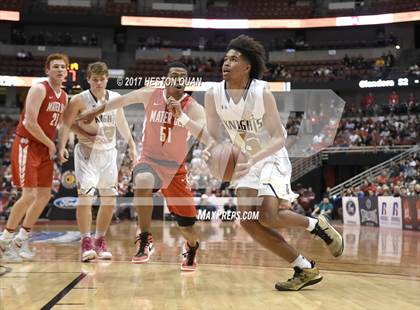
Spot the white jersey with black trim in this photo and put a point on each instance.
(244, 120)
(105, 123)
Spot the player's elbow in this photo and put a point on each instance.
(28, 124)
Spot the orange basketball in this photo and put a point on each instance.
(223, 160)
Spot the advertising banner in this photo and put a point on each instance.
(351, 210)
(368, 207)
(410, 213)
(390, 212)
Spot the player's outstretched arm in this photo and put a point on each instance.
(34, 100)
(272, 123)
(125, 131)
(194, 119)
(141, 95)
(68, 119)
(197, 124)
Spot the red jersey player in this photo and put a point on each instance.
(32, 153)
(170, 115)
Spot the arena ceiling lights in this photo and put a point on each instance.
(13, 16)
(142, 21)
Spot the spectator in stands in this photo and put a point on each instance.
(385, 190)
(323, 208)
(202, 43)
(368, 105)
(354, 139)
(394, 170)
(379, 66)
(229, 207)
(417, 190)
(380, 37)
(346, 60)
(306, 198)
(393, 101)
(21, 54)
(371, 193)
(413, 105)
(327, 192)
(206, 205)
(359, 193)
(382, 178)
(396, 191)
(85, 40)
(296, 207)
(93, 40)
(322, 72)
(348, 192)
(389, 60)
(404, 191)
(414, 70)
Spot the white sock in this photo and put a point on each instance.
(301, 262)
(312, 223)
(85, 235)
(99, 234)
(7, 236)
(23, 234)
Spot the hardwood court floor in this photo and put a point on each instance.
(380, 269)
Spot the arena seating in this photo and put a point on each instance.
(10, 65)
(15, 5)
(261, 9)
(113, 8)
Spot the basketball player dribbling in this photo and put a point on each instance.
(32, 157)
(95, 159)
(243, 99)
(170, 115)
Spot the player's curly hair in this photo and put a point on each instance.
(253, 51)
(175, 64)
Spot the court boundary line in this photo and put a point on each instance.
(60, 295)
(385, 275)
(395, 275)
(6, 271)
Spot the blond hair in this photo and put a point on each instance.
(99, 68)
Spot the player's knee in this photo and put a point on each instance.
(266, 218)
(44, 197)
(28, 196)
(144, 181)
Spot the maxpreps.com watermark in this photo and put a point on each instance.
(206, 215)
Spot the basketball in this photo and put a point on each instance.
(223, 160)
(233, 151)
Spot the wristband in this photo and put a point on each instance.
(183, 119)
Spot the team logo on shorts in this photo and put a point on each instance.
(351, 208)
(68, 179)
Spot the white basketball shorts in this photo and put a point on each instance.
(95, 169)
(271, 177)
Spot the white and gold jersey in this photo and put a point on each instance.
(104, 124)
